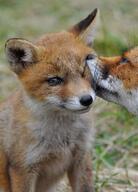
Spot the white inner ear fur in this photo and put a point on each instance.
(28, 57)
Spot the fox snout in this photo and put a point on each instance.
(86, 100)
(77, 103)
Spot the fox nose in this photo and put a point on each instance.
(86, 100)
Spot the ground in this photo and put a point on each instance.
(115, 150)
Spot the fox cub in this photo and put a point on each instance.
(43, 131)
(118, 80)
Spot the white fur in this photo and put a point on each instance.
(52, 126)
(72, 103)
(28, 55)
(92, 65)
(116, 91)
(127, 98)
(95, 69)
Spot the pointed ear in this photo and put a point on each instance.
(86, 28)
(20, 53)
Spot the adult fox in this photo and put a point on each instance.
(117, 78)
(42, 133)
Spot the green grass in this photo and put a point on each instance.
(116, 144)
(115, 147)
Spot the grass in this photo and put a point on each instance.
(115, 147)
(115, 150)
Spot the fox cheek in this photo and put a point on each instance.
(20, 54)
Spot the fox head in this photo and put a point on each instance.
(117, 79)
(53, 70)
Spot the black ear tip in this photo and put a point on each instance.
(94, 12)
(91, 16)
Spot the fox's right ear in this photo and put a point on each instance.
(20, 53)
(86, 29)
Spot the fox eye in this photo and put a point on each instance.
(53, 81)
(90, 57)
(124, 60)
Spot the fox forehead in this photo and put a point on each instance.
(61, 53)
(61, 40)
(63, 44)
(63, 56)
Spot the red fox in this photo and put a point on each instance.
(43, 131)
(117, 79)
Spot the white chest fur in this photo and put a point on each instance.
(58, 133)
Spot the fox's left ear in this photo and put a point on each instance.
(86, 29)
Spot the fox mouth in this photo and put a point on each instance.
(103, 92)
(73, 104)
(83, 110)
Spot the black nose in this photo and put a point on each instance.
(86, 100)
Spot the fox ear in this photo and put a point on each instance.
(86, 28)
(20, 53)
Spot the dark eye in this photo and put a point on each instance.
(90, 57)
(124, 60)
(53, 81)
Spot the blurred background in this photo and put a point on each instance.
(115, 151)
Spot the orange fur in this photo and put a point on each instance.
(40, 125)
(4, 177)
(63, 61)
(127, 72)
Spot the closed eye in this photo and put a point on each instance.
(124, 60)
